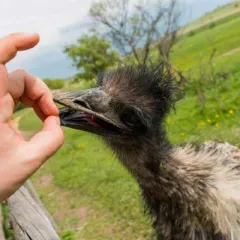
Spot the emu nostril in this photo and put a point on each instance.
(82, 103)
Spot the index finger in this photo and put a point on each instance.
(10, 45)
(31, 91)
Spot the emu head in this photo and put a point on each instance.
(127, 103)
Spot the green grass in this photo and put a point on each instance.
(189, 51)
(31, 122)
(213, 24)
(217, 120)
(229, 63)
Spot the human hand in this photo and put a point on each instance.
(20, 159)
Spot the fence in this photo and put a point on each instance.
(28, 217)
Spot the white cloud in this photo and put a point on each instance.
(43, 16)
(46, 17)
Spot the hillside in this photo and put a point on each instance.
(218, 14)
(222, 36)
(89, 193)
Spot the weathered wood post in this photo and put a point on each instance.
(29, 218)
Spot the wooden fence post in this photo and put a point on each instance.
(29, 218)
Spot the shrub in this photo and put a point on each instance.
(54, 83)
(212, 25)
(191, 33)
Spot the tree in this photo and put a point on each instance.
(133, 29)
(91, 55)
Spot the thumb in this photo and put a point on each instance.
(46, 142)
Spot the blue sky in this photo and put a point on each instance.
(61, 22)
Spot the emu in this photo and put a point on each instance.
(191, 193)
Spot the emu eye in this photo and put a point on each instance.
(130, 118)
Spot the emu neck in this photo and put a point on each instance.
(142, 157)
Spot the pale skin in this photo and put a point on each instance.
(19, 159)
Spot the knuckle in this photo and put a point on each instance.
(44, 85)
(20, 72)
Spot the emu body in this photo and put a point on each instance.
(191, 193)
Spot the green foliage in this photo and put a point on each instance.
(91, 55)
(9, 235)
(212, 25)
(191, 33)
(54, 83)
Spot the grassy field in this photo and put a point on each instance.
(90, 195)
(218, 13)
(190, 50)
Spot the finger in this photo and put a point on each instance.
(31, 103)
(9, 46)
(39, 112)
(3, 80)
(45, 143)
(31, 90)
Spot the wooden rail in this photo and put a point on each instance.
(28, 216)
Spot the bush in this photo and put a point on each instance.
(54, 83)
(191, 33)
(212, 25)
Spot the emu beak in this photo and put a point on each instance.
(89, 110)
